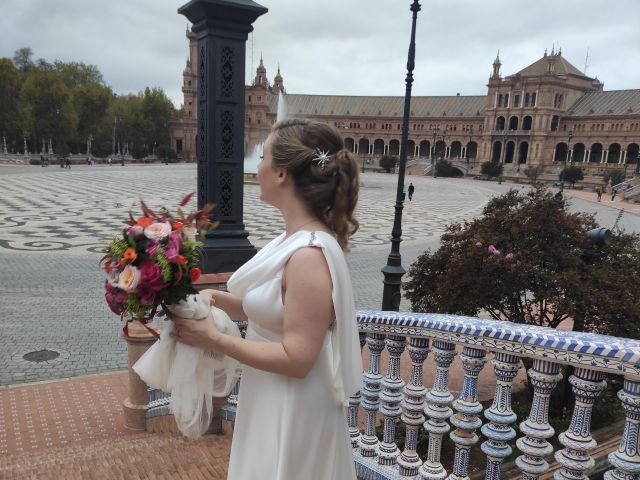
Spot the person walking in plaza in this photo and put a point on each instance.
(301, 355)
(614, 192)
(599, 192)
(411, 189)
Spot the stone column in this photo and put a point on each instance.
(500, 415)
(222, 28)
(390, 397)
(578, 442)
(466, 419)
(544, 378)
(438, 410)
(371, 395)
(139, 339)
(412, 406)
(626, 459)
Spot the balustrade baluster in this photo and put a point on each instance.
(437, 409)
(626, 459)
(354, 403)
(574, 458)
(500, 415)
(412, 406)
(391, 397)
(371, 395)
(544, 378)
(466, 419)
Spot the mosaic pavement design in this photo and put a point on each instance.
(76, 210)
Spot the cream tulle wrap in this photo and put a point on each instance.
(192, 375)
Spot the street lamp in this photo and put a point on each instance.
(393, 270)
(433, 151)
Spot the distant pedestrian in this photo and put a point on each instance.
(599, 192)
(109, 161)
(41, 160)
(614, 192)
(558, 196)
(68, 163)
(411, 189)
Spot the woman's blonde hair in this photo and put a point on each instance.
(329, 187)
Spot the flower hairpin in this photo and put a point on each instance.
(321, 158)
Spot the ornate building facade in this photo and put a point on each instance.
(545, 114)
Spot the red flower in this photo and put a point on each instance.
(195, 273)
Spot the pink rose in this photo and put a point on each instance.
(129, 278)
(509, 257)
(493, 250)
(157, 231)
(149, 272)
(173, 248)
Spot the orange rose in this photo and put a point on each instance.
(195, 273)
(177, 225)
(144, 222)
(130, 254)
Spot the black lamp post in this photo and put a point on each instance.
(393, 270)
(433, 151)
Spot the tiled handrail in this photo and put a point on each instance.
(389, 398)
(608, 354)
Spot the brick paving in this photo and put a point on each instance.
(73, 429)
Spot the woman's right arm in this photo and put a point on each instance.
(231, 304)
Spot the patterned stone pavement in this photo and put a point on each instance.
(52, 222)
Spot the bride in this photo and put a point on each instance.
(301, 355)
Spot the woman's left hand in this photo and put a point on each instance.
(198, 333)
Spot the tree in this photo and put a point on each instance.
(10, 113)
(491, 169)
(572, 175)
(616, 176)
(533, 173)
(78, 73)
(50, 112)
(91, 102)
(388, 162)
(22, 58)
(523, 260)
(157, 110)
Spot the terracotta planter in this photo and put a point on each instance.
(139, 339)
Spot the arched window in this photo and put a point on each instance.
(526, 123)
(555, 121)
(500, 123)
(526, 99)
(499, 100)
(533, 99)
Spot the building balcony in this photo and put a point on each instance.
(510, 133)
(458, 418)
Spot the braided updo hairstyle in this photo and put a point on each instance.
(329, 188)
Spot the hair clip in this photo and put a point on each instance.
(321, 158)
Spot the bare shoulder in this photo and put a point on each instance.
(308, 258)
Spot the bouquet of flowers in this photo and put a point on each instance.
(154, 262)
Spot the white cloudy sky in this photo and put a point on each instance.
(349, 47)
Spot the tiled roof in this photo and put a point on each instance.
(455, 106)
(615, 102)
(562, 66)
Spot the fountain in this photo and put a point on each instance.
(252, 160)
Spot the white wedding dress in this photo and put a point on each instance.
(287, 428)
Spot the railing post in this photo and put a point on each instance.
(354, 403)
(412, 406)
(437, 409)
(500, 415)
(578, 442)
(466, 419)
(626, 459)
(371, 394)
(391, 397)
(544, 378)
